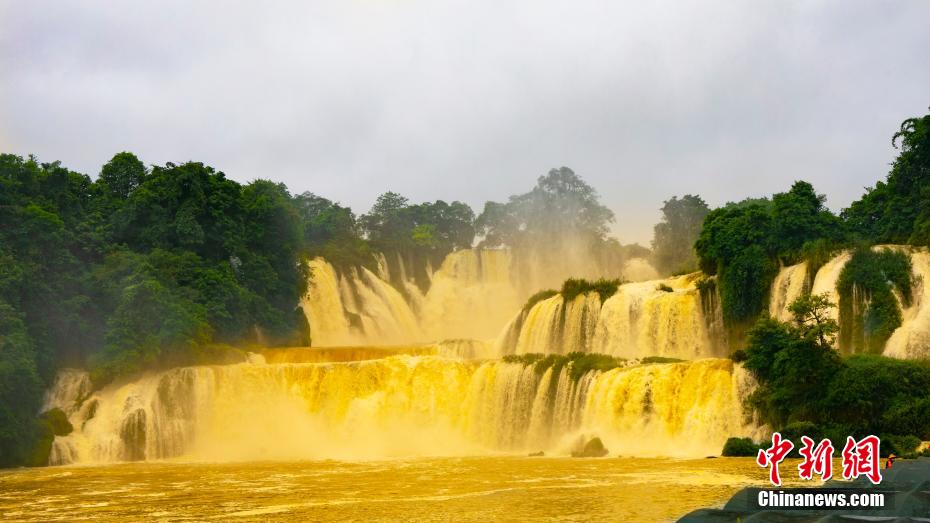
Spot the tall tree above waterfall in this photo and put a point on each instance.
(674, 237)
(561, 205)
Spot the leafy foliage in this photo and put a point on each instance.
(560, 205)
(674, 237)
(538, 297)
(140, 269)
(573, 287)
(897, 210)
(744, 243)
(739, 447)
(649, 360)
(805, 388)
(422, 232)
(560, 220)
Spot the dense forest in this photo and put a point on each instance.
(148, 267)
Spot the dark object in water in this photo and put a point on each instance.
(536, 454)
(592, 449)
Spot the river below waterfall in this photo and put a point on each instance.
(497, 488)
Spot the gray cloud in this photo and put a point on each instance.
(473, 101)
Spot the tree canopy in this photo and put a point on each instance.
(674, 237)
(559, 206)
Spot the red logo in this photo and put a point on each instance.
(816, 460)
(774, 455)
(860, 458)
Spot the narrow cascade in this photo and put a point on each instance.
(654, 318)
(787, 287)
(70, 388)
(826, 278)
(323, 305)
(402, 406)
(912, 338)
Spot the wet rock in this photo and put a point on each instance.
(132, 434)
(594, 448)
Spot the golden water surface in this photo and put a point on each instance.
(503, 488)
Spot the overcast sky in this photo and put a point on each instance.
(474, 100)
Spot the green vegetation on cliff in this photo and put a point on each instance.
(805, 387)
(574, 287)
(744, 243)
(869, 310)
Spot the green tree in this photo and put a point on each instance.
(673, 238)
(811, 314)
(389, 223)
(561, 205)
(332, 231)
(799, 216)
(122, 174)
(898, 209)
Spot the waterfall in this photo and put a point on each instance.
(653, 318)
(787, 287)
(351, 308)
(826, 278)
(553, 326)
(403, 406)
(912, 338)
(470, 296)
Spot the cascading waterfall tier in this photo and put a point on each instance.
(467, 297)
(472, 295)
(912, 338)
(789, 285)
(653, 318)
(401, 406)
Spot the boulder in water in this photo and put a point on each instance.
(594, 448)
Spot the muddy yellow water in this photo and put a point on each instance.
(460, 489)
